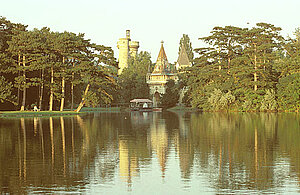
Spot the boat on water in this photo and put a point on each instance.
(144, 105)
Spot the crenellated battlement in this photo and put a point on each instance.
(127, 48)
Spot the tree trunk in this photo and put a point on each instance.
(72, 88)
(63, 94)
(19, 63)
(220, 67)
(83, 99)
(51, 90)
(24, 87)
(228, 71)
(255, 68)
(72, 95)
(41, 90)
(62, 89)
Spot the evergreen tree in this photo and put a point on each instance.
(238, 60)
(6, 90)
(25, 48)
(97, 76)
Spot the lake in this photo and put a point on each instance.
(151, 153)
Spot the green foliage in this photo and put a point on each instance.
(40, 61)
(248, 63)
(289, 92)
(186, 100)
(269, 102)
(219, 100)
(92, 100)
(5, 90)
(132, 81)
(171, 97)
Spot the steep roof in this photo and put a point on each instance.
(183, 58)
(162, 64)
(162, 53)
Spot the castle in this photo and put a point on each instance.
(127, 48)
(158, 79)
(163, 70)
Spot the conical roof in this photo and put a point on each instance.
(183, 59)
(162, 64)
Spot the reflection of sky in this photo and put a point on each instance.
(212, 163)
(164, 173)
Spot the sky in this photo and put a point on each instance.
(151, 21)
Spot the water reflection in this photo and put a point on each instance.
(237, 152)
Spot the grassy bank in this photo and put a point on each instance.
(34, 114)
(55, 113)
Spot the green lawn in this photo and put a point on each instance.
(55, 113)
(33, 113)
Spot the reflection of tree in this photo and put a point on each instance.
(237, 151)
(27, 152)
(289, 143)
(184, 145)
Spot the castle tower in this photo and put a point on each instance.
(159, 77)
(133, 48)
(126, 48)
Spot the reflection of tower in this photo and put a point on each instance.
(128, 164)
(127, 48)
(159, 142)
(184, 146)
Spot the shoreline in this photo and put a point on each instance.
(86, 110)
(6, 114)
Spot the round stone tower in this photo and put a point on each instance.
(126, 48)
(133, 48)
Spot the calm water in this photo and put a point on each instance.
(151, 153)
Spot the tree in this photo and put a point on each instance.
(219, 100)
(239, 60)
(171, 97)
(5, 90)
(7, 30)
(25, 48)
(269, 102)
(260, 43)
(97, 75)
(132, 81)
(185, 42)
(288, 90)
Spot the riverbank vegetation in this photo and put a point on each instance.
(52, 70)
(245, 69)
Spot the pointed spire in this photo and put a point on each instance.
(162, 64)
(162, 53)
